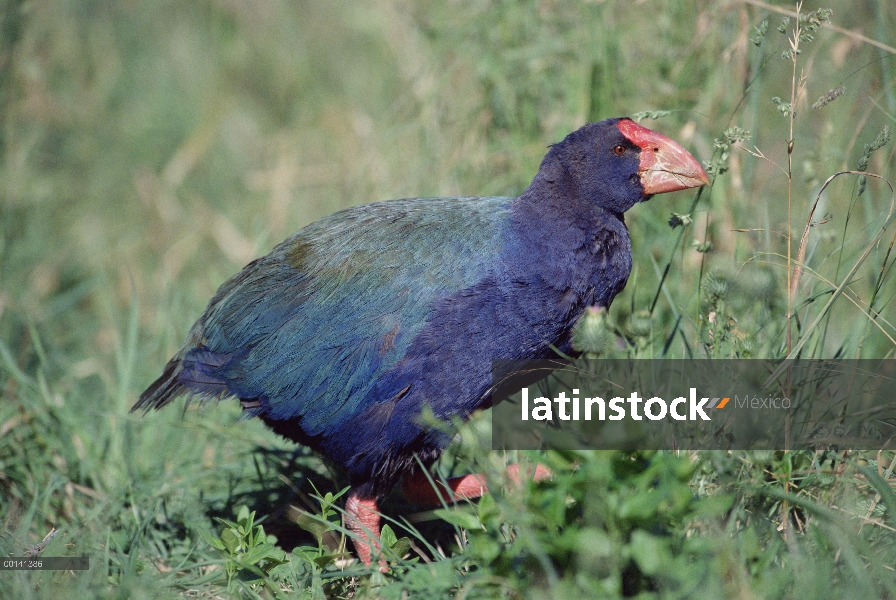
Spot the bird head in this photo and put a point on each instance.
(617, 163)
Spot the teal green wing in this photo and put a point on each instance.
(306, 331)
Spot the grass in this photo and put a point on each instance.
(149, 150)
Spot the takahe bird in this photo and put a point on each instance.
(341, 336)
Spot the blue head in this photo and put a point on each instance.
(617, 163)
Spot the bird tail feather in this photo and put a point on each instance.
(164, 389)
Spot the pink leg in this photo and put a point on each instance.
(363, 519)
(418, 488)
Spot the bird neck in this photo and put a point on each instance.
(553, 203)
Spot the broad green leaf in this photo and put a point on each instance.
(459, 517)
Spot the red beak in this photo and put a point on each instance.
(665, 166)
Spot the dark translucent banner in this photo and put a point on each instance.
(694, 404)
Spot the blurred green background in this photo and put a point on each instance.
(148, 150)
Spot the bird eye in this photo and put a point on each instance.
(619, 150)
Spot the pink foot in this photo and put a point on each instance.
(363, 519)
(417, 488)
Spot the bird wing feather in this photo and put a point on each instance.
(308, 329)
